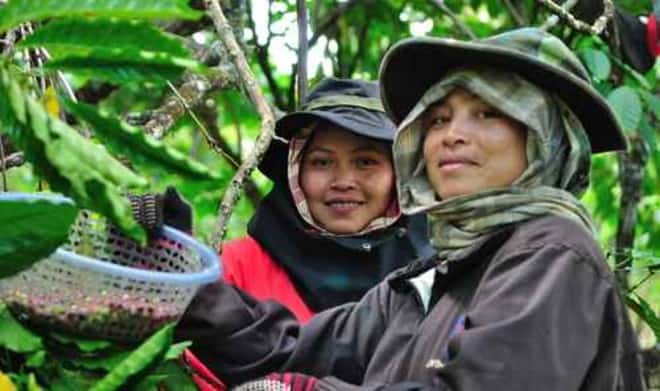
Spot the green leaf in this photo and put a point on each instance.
(645, 312)
(597, 62)
(85, 345)
(106, 362)
(32, 384)
(17, 11)
(31, 229)
(70, 163)
(134, 143)
(36, 359)
(125, 66)
(146, 354)
(116, 71)
(168, 375)
(15, 337)
(648, 134)
(175, 351)
(82, 36)
(627, 107)
(653, 102)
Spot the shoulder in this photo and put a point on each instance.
(559, 236)
(245, 250)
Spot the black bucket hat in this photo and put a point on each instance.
(413, 65)
(354, 105)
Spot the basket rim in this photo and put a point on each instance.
(211, 261)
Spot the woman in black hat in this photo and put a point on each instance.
(494, 144)
(330, 228)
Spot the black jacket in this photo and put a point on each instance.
(328, 271)
(534, 308)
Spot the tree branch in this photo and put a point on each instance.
(596, 28)
(302, 50)
(362, 38)
(462, 26)
(517, 17)
(15, 159)
(330, 20)
(631, 171)
(554, 19)
(261, 52)
(250, 85)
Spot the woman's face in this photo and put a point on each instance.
(470, 146)
(347, 180)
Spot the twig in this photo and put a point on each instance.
(267, 121)
(15, 159)
(3, 166)
(301, 10)
(462, 26)
(517, 17)
(330, 20)
(554, 19)
(596, 28)
(631, 172)
(191, 93)
(210, 140)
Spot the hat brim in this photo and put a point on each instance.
(411, 66)
(365, 123)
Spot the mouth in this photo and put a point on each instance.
(455, 163)
(344, 206)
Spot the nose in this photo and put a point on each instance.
(344, 178)
(455, 132)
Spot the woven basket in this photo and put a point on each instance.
(101, 284)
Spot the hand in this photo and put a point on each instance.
(153, 210)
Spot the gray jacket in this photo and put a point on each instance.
(534, 308)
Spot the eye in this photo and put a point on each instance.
(437, 120)
(320, 162)
(489, 113)
(365, 162)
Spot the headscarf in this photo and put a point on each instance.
(558, 155)
(294, 162)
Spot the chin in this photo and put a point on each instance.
(343, 229)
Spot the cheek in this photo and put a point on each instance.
(429, 146)
(311, 183)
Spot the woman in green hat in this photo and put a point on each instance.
(331, 228)
(494, 144)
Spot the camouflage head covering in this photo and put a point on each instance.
(558, 155)
(411, 66)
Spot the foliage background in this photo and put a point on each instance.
(348, 39)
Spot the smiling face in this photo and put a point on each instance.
(470, 146)
(348, 180)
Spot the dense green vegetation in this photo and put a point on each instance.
(98, 98)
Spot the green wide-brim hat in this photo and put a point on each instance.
(413, 65)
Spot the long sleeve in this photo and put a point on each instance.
(240, 338)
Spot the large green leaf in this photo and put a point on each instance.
(125, 66)
(31, 229)
(71, 164)
(627, 107)
(597, 62)
(146, 354)
(15, 337)
(645, 312)
(84, 35)
(19, 11)
(133, 143)
(167, 375)
(653, 103)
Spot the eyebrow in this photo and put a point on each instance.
(360, 148)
